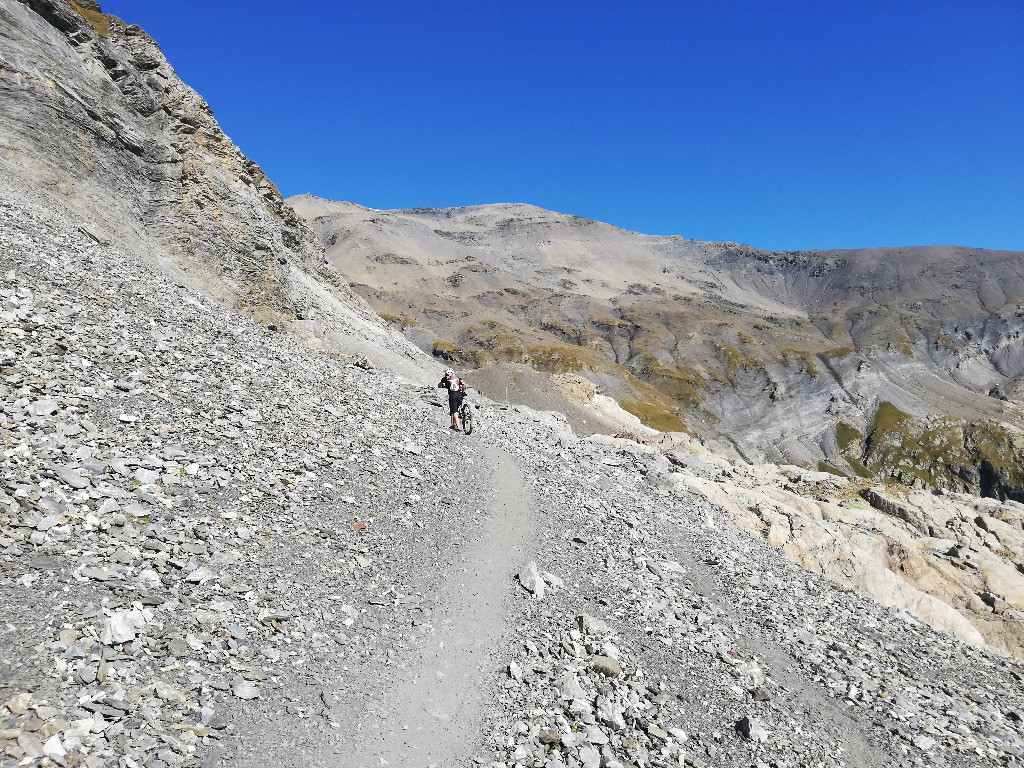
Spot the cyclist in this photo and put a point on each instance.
(456, 394)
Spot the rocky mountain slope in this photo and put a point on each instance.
(764, 354)
(221, 544)
(93, 118)
(207, 569)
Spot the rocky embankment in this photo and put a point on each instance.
(217, 545)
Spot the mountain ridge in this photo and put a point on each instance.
(426, 209)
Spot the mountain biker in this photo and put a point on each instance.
(456, 394)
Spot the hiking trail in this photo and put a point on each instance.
(439, 694)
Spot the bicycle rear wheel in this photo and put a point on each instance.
(467, 418)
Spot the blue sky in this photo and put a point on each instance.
(779, 123)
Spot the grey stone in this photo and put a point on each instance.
(122, 627)
(31, 744)
(592, 626)
(73, 477)
(606, 666)
(530, 579)
(750, 728)
(924, 743)
(589, 757)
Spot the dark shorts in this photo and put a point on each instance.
(454, 401)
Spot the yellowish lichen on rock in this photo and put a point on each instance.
(99, 21)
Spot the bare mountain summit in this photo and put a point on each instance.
(903, 363)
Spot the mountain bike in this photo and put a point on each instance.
(466, 416)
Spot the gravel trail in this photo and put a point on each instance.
(440, 695)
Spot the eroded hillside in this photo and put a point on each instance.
(766, 354)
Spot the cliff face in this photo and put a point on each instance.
(95, 123)
(92, 114)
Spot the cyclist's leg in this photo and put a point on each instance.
(458, 413)
(453, 410)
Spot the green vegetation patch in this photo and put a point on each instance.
(838, 353)
(848, 437)
(901, 343)
(655, 416)
(850, 441)
(96, 19)
(507, 348)
(983, 457)
(894, 449)
(889, 418)
(607, 321)
(1002, 449)
(494, 340)
(555, 326)
(403, 321)
(824, 466)
(683, 385)
(453, 353)
(560, 358)
(734, 359)
(806, 359)
(859, 469)
(944, 340)
(447, 350)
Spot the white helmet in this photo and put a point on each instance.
(449, 372)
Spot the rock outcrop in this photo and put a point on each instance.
(985, 458)
(953, 560)
(94, 120)
(94, 115)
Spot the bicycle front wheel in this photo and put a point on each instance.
(467, 419)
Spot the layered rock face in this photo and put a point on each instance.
(94, 120)
(94, 114)
(763, 354)
(954, 561)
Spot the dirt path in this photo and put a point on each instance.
(438, 697)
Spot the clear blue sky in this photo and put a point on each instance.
(779, 123)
